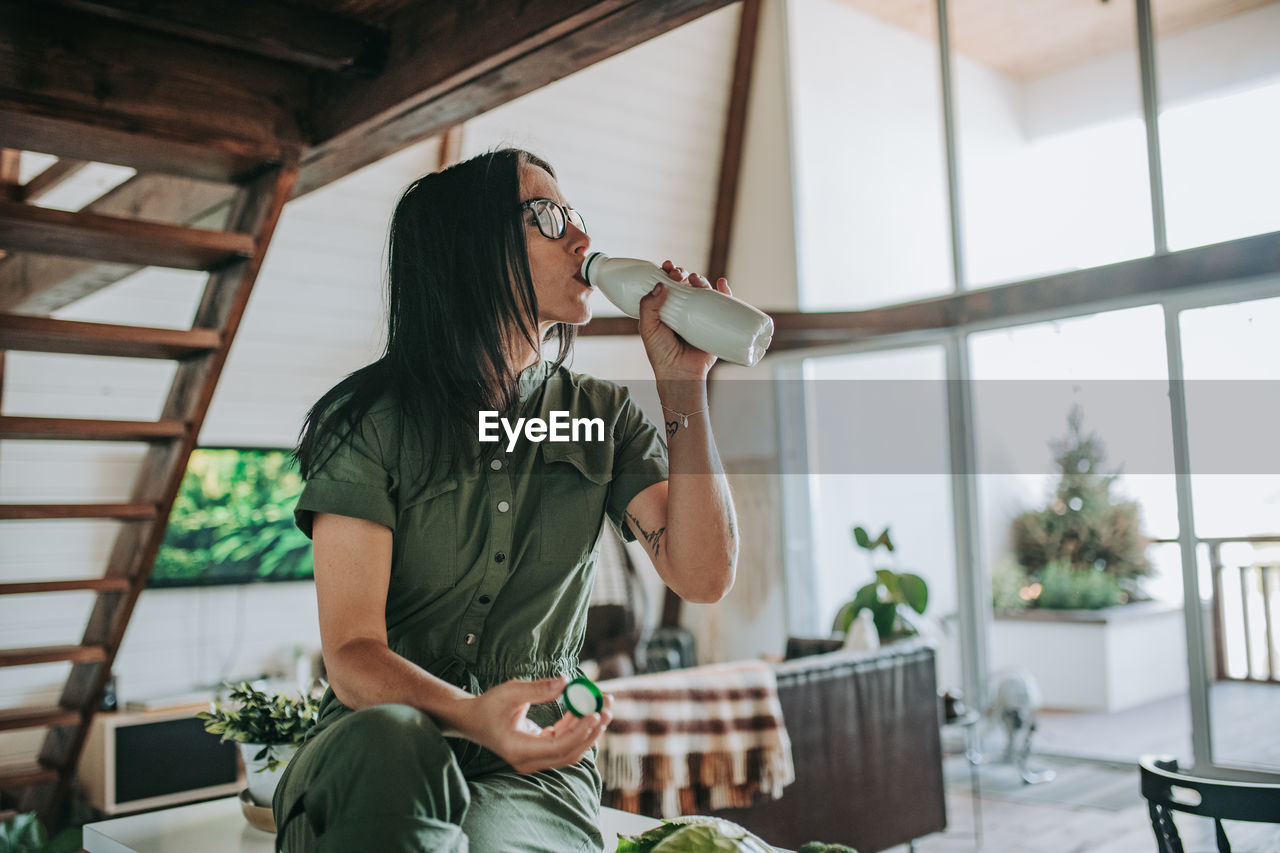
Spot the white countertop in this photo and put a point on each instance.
(217, 826)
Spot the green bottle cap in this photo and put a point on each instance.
(582, 697)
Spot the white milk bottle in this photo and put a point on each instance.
(712, 321)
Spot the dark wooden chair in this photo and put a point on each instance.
(1167, 790)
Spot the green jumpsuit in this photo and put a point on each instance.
(491, 575)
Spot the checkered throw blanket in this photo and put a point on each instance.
(695, 740)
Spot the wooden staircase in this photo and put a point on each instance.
(232, 258)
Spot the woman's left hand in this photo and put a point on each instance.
(670, 356)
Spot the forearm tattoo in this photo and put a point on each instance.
(672, 426)
(653, 538)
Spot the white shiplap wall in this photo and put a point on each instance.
(636, 140)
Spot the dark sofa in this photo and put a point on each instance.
(868, 757)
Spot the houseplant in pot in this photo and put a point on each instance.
(268, 729)
(893, 600)
(892, 597)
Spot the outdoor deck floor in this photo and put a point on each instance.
(1089, 808)
(1094, 806)
(1243, 716)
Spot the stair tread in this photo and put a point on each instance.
(116, 239)
(25, 773)
(88, 429)
(71, 585)
(51, 654)
(48, 334)
(37, 716)
(91, 510)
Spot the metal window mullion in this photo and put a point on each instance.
(973, 585)
(949, 144)
(1193, 612)
(1243, 573)
(793, 405)
(1265, 572)
(1151, 118)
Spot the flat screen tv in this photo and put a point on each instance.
(232, 521)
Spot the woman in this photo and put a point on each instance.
(452, 576)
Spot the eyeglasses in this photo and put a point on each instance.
(551, 217)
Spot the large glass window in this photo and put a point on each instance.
(1050, 137)
(878, 458)
(1027, 381)
(870, 166)
(1218, 70)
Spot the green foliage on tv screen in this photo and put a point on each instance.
(232, 521)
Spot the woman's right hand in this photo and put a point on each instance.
(496, 719)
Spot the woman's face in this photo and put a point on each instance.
(556, 265)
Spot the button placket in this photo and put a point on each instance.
(501, 499)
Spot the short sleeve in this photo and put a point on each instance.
(352, 480)
(639, 461)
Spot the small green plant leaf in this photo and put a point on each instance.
(915, 592)
(844, 619)
(888, 579)
(867, 596)
(884, 614)
(23, 834)
(863, 539)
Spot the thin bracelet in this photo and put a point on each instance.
(684, 419)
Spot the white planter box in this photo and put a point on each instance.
(1095, 660)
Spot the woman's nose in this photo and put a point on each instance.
(579, 240)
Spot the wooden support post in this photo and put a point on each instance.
(450, 147)
(734, 132)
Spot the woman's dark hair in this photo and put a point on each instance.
(459, 297)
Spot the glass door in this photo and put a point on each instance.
(1232, 400)
(1077, 520)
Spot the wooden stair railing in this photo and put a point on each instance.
(233, 259)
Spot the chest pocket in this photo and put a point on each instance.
(426, 543)
(574, 484)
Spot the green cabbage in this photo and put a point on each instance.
(699, 834)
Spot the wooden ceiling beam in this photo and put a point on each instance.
(288, 32)
(1098, 288)
(448, 65)
(527, 55)
(82, 87)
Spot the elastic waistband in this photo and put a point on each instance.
(483, 674)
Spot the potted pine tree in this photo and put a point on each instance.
(1069, 605)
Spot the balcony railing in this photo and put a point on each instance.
(1246, 610)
